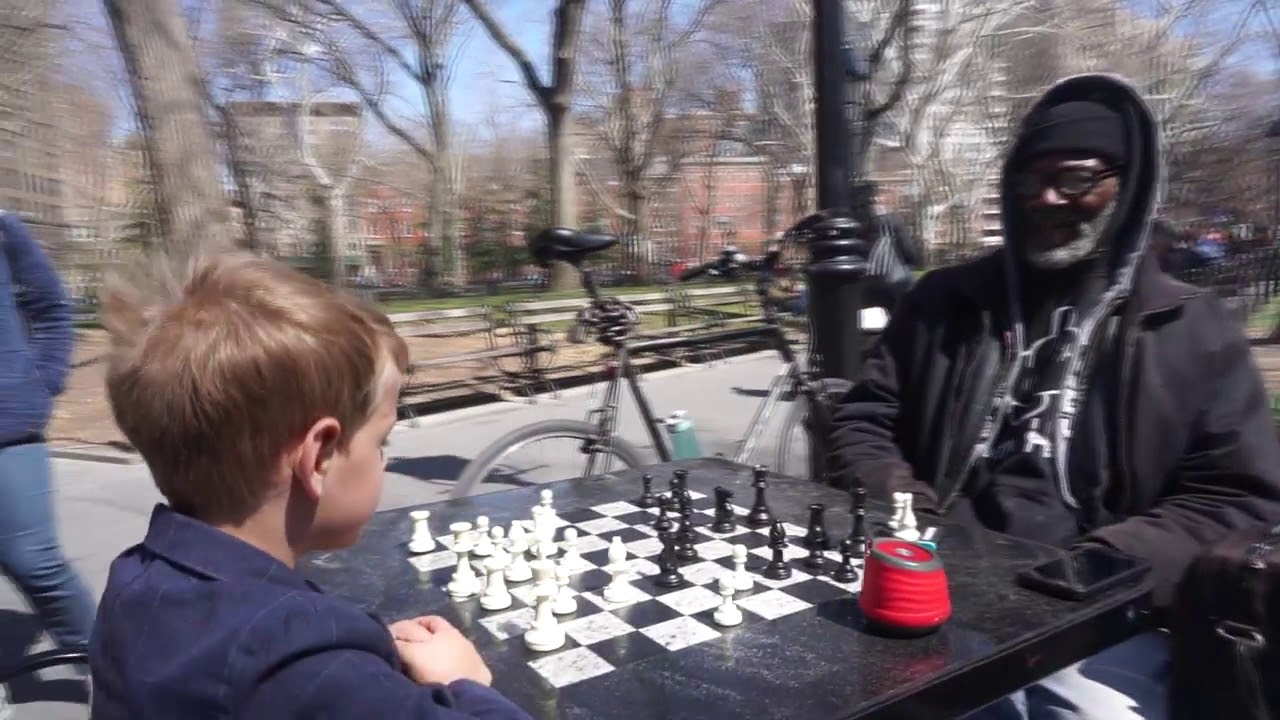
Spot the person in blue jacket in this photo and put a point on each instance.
(36, 340)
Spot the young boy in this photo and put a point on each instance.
(260, 400)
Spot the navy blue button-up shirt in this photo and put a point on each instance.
(197, 624)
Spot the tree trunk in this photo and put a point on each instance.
(563, 201)
(167, 89)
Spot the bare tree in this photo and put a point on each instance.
(629, 71)
(554, 97)
(939, 126)
(169, 95)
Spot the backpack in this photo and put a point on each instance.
(1225, 639)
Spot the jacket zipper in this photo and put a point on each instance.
(1122, 412)
(1007, 356)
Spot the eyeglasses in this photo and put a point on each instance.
(1070, 183)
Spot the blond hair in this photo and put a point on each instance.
(216, 367)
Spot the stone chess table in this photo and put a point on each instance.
(802, 650)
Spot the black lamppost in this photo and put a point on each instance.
(837, 246)
(1273, 148)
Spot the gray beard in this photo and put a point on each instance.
(1064, 256)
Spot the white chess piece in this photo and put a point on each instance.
(498, 538)
(464, 583)
(899, 506)
(545, 634)
(728, 614)
(565, 602)
(422, 542)
(496, 596)
(518, 569)
(742, 580)
(544, 500)
(909, 530)
(618, 590)
(570, 559)
(484, 546)
(459, 532)
(517, 539)
(544, 532)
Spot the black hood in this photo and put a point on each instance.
(1124, 239)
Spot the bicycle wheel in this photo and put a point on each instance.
(482, 468)
(793, 442)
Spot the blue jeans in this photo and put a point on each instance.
(1124, 682)
(29, 551)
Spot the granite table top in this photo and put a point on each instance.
(820, 661)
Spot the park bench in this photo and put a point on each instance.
(707, 308)
(540, 318)
(492, 345)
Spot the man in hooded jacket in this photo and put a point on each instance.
(1065, 390)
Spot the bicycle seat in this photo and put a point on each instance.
(568, 245)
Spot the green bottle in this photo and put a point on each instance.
(684, 444)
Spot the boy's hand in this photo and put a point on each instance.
(409, 631)
(441, 656)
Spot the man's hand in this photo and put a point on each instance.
(433, 651)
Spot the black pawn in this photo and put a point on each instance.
(759, 516)
(817, 535)
(723, 522)
(668, 565)
(663, 523)
(685, 537)
(647, 498)
(846, 572)
(777, 568)
(858, 533)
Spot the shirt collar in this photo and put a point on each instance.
(213, 553)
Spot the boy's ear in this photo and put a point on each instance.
(315, 455)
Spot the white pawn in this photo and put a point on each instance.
(517, 539)
(544, 500)
(421, 542)
(742, 580)
(464, 583)
(899, 507)
(910, 529)
(459, 532)
(617, 591)
(518, 569)
(484, 546)
(498, 538)
(545, 634)
(570, 560)
(496, 596)
(728, 614)
(565, 602)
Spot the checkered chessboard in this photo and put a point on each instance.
(603, 636)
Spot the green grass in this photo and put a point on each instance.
(1265, 318)
(500, 300)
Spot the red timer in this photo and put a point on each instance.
(904, 588)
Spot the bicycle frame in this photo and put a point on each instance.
(619, 367)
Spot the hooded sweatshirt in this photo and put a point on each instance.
(36, 336)
(1060, 323)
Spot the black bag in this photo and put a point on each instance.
(1226, 632)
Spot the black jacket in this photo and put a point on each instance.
(1178, 449)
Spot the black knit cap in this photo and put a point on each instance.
(1079, 126)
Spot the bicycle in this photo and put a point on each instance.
(613, 322)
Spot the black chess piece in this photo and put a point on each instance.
(668, 564)
(723, 522)
(817, 535)
(816, 560)
(679, 481)
(845, 573)
(685, 551)
(858, 533)
(759, 516)
(663, 523)
(647, 498)
(777, 568)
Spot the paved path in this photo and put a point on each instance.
(103, 509)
